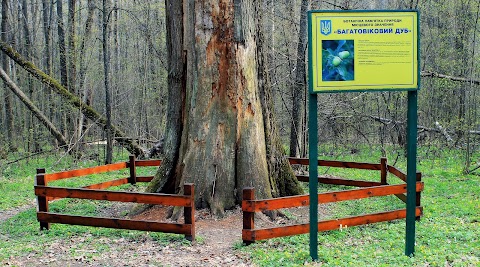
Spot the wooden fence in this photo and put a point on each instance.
(46, 193)
(367, 189)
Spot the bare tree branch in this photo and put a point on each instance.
(448, 77)
(42, 118)
(70, 98)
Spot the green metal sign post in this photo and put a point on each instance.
(313, 174)
(411, 172)
(357, 51)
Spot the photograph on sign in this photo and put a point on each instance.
(361, 51)
(337, 60)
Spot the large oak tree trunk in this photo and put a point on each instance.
(216, 135)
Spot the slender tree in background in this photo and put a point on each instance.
(6, 32)
(46, 15)
(297, 129)
(84, 92)
(217, 122)
(27, 40)
(61, 45)
(47, 12)
(71, 55)
(62, 49)
(106, 73)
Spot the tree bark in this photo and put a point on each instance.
(296, 127)
(66, 118)
(282, 179)
(47, 12)
(222, 146)
(176, 63)
(106, 73)
(5, 65)
(28, 50)
(72, 58)
(84, 92)
(61, 45)
(46, 35)
(71, 99)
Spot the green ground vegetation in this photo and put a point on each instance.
(447, 235)
(20, 235)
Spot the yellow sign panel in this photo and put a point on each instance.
(360, 51)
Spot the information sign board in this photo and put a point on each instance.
(363, 50)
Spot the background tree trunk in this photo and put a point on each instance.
(31, 128)
(47, 10)
(106, 73)
(84, 92)
(61, 45)
(176, 62)
(6, 66)
(299, 87)
(72, 56)
(65, 117)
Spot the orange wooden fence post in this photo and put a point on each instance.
(189, 212)
(133, 171)
(42, 201)
(419, 194)
(383, 170)
(248, 217)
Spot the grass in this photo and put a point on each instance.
(447, 235)
(19, 235)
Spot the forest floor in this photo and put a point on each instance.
(217, 242)
(447, 235)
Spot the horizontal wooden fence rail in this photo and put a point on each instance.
(339, 181)
(383, 167)
(336, 196)
(46, 193)
(250, 236)
(108, 184)
(337, 164)
(145, 198)
(146, 163)
(87, 171)
(366, 189)
(151, 226)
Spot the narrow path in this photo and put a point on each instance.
(215, 243)
(7, 214)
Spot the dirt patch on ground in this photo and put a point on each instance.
(215, 245)
(7, 214)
